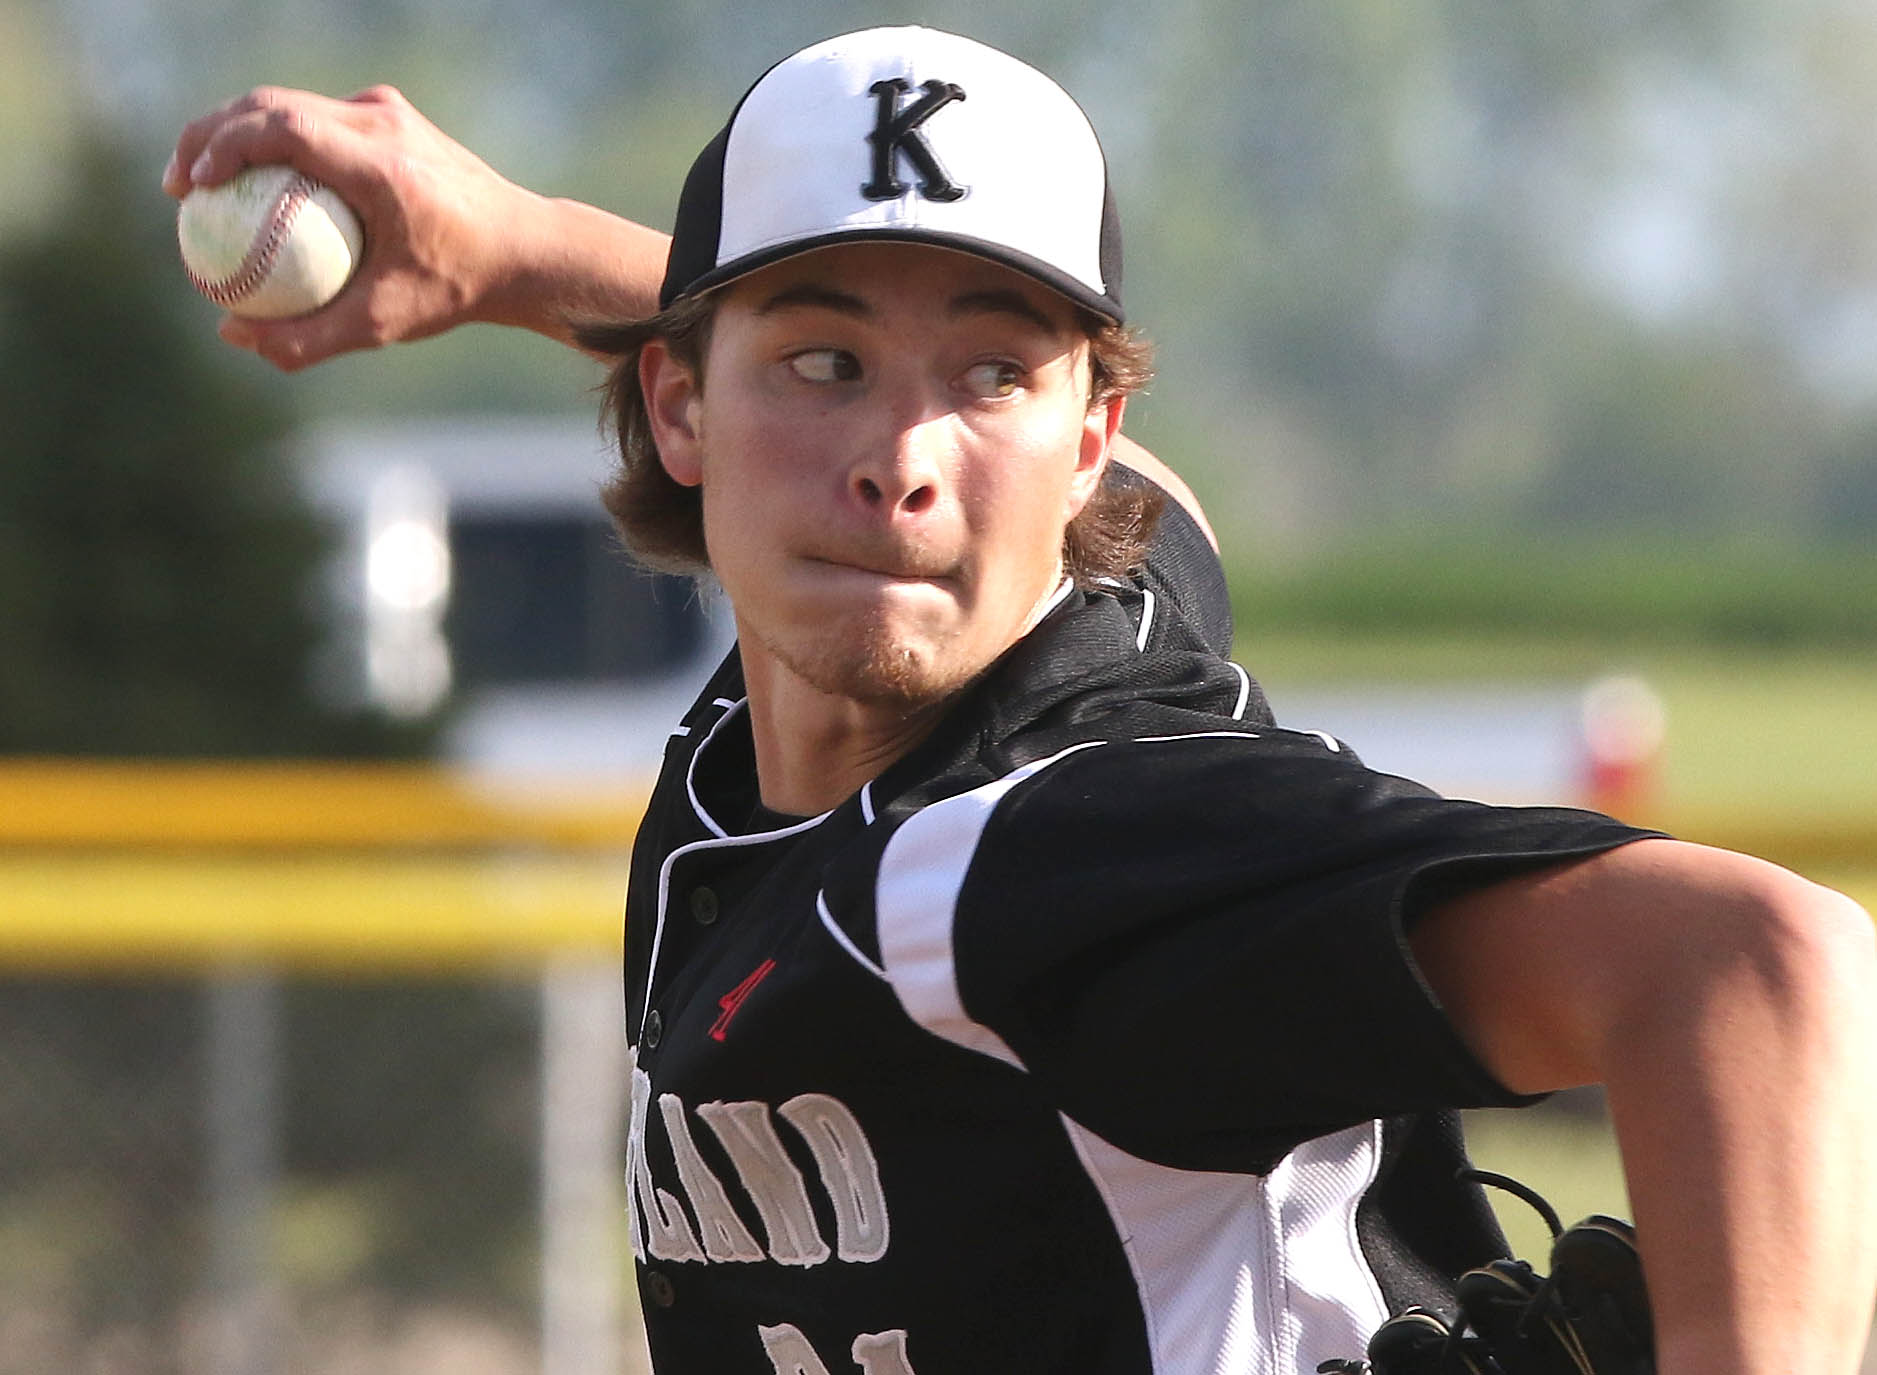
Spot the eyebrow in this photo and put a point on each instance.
(1004, 302)
(815, 295)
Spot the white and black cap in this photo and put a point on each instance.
(903, 134)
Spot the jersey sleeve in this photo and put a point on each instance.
(1197, 945)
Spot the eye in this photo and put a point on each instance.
(825, 365)
(994, 378)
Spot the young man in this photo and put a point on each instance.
(1005, 990)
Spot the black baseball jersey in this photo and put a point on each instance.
(1083, 1039)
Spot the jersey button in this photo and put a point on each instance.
(660, 1290)
(654, 1030)
(704, 905)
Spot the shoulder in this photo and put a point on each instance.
(1183, 566)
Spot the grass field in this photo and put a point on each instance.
(1564, 1149)
(1757, 730)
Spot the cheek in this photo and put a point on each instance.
(1057, 483)
(1024, 511)
(754, 488)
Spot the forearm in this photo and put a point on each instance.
(1728, 1008)
(1745, 1119)
(574, 265)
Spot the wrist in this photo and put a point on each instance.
(566, 264)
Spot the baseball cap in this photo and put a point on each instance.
(903, 134)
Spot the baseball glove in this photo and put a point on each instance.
(1589, 1316)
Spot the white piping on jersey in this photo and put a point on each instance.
(1147, 609)
(697, 805)
(717, 842)
(718, 839)
(690, 768)
(866, 802)
(1330, 742)
(1147, 619)
(1056, 598)
(1199, 735)
(1244, 690)
(842, 939)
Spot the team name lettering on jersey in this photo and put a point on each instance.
(704, 1224)
(876, 1353)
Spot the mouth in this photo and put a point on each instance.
(888, 569)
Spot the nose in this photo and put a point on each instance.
(904, 473)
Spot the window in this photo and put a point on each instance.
(554, 599)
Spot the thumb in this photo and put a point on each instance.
(291, 345)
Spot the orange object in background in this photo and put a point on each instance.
(1623, 727)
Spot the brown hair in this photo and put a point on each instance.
(662, 521)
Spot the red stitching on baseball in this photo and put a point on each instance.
(265, 249)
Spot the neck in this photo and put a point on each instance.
(814, 749)
(816, 746)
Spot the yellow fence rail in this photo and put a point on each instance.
(181, 866)
(303, 806)
(160, 866)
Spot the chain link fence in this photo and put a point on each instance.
(309, 1070)
(245, 1173)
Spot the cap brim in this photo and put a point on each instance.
(1058, 281)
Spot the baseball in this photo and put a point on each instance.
(268, 243)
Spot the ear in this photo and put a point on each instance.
(673, 405)
(1099, 428)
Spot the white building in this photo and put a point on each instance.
(476, 565)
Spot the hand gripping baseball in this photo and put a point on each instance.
(449, 241)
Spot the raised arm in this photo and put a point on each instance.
(1730, 1009)
(448, 240)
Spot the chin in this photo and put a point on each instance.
(874, 668)
(890, 676)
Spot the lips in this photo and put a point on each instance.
(880, 564)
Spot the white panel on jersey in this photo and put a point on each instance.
(916, 900)
(1331, 1297)
(1240, 1275)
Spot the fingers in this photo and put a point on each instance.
(291, 345)
(354, 145)
(270, 124)
(440, 225)
(248, 129)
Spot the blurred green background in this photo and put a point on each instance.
(1507, 343)
(1497, 338)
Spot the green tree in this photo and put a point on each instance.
(156, 559)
